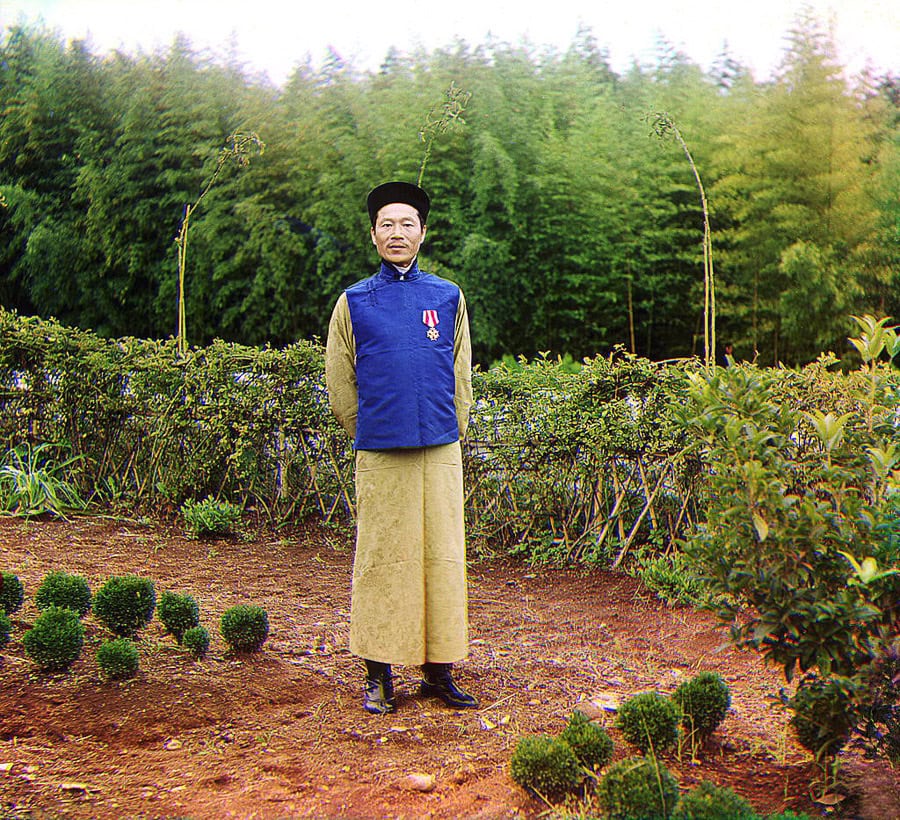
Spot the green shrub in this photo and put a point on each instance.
(209, 517)
(671, 577)
(196, 639)
(11, 593)
(711, 802)
(54, 642)
(118, 658)
(703, 701)
(592, 745)
(62, 589)
(5, 629)
(639, 788)
(178, 613)
(823, 715)
(545, 765)
(802, 522)
(649, 721)
(245, 627)
(125, 604)
(788, 815)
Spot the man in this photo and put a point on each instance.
(398, 371)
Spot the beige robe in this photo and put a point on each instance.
(409, 595)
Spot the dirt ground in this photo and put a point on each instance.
(281, 733)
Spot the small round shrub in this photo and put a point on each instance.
(639, 788)
(245, 627)
(5, 629)
(118, 658)
(545, 765)
(62, 589)
(125, 604)
(592, 745)
(54, 642)
(196, 639)
(11, 593)
(178, 613)
(649, 721)
(711, 802)
(823, 716)
(704, 702)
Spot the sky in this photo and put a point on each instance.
(273, 36)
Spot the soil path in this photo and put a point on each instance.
(281, 733)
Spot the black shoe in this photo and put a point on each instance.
(438, 683)
(378, 695)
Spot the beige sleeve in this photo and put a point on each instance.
(340, 366)
(462, 366)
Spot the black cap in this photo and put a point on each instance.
(404, 192)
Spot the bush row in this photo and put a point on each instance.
(123, 605)
(639, 786)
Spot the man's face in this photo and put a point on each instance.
(398, 234)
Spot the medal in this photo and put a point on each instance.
(430, 318)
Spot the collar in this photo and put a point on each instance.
(389, 271)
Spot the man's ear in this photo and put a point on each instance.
(372, 234)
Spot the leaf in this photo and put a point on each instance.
(762, 528)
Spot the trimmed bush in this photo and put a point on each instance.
(178, 613)
(649, 721)
(245, 627)
(592, 745)
(125, 604)
(5, 629)
(711, 802)
(118, 658)
(196, 639)
(11, 593)
(639, 788)
(823, 716)
(704, 702)
(54, 642)
(62, 589)
(545, 765)
(208, 517)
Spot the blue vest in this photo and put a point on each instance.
(404, 325)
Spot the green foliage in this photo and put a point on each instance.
(880, 708)
(638, 789)
(118, 658)
(671, 577)
(178, 613)
(545, 765)
(597, 247)
(12, 595)
(592, 745)
(223, 421)
(711, 802)
(245, 627)
(196, 641)
(703, 701)
(649, 721)
(54, 641)
(5, 629)
(803, 527)
(209, 517)
(59, 588)
(33, 483)
(788, 815)
(125, 604)
(824, 715)
(566, 466)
